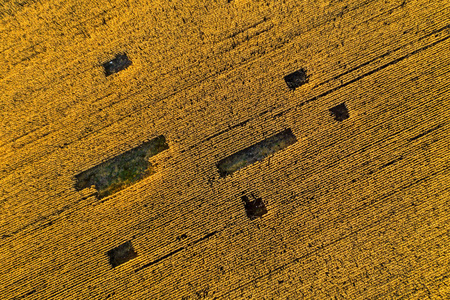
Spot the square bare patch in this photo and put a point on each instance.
(254, 208)
(121, 254)
(119, 63)
(340, 112)
(296, 79)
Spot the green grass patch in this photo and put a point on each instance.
(256, 152)
(123, 170)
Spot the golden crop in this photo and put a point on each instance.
(300, 149)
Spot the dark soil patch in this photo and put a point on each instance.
(254, 208)
(340, 112)
(119, 63)
(296, 79)
(121, 254)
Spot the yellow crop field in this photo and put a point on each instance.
(225, 149)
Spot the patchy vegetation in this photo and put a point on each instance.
(256, 152)
(122, 170)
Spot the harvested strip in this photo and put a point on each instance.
(123, 170)
(256, 152)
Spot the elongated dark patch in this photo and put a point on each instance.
(176, 251)
(121, 254)
(123, 170)
(256, 152)
(119, 63)
(425, 133)
(24, 295)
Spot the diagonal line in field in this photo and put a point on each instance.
(309, 254)
(323, 94)
(188, 86)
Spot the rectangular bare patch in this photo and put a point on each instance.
(123, 170)
(296, 79)
(119, 63)
(121, 254)
(340, 112)
(256, 152)
(254, 208)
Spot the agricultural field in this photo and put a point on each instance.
(225, 149)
